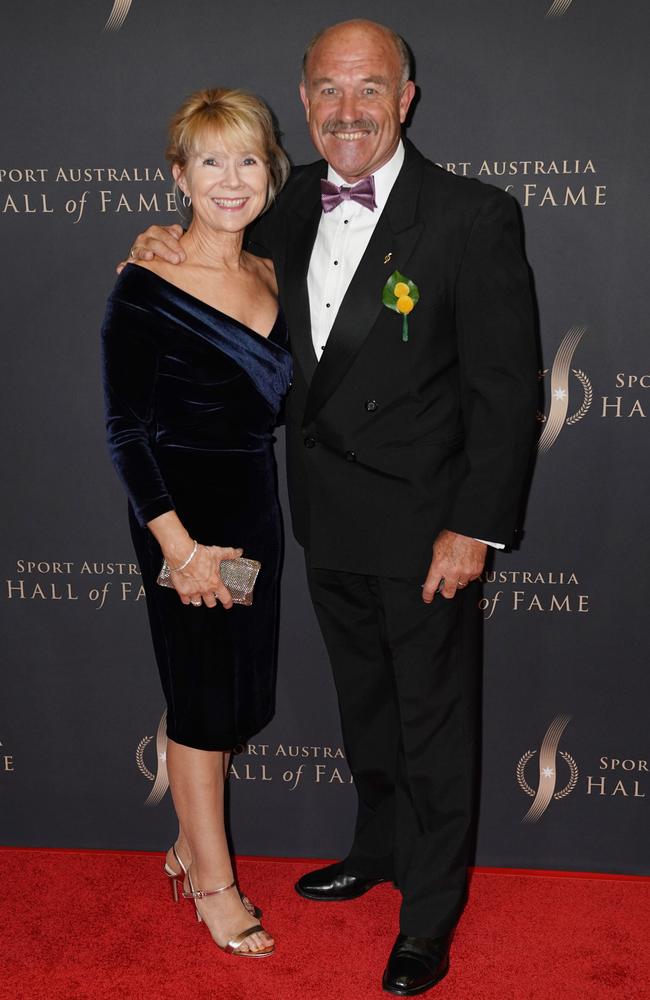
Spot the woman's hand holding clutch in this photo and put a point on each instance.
(200, 582)
(194, 568)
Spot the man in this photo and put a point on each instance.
(408, 440)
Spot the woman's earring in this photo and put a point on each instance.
(183, 201)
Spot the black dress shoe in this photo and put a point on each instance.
(416, 964)
(334, 884)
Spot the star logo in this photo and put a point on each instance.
(560, 374)
(547, 771)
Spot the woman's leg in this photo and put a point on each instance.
(196, 779)
(182, 844)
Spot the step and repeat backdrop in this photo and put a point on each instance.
(546, 99)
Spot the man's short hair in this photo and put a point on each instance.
(405, 58)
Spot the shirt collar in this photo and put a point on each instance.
(385, 177)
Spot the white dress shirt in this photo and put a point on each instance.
(341, 241)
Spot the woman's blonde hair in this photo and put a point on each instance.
(235, 116)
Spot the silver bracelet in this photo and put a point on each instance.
(175, 569)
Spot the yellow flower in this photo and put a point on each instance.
(402, 295)
(404, 303)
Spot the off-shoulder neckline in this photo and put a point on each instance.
(207, 305)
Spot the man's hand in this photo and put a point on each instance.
(157, 241)
(456, 561)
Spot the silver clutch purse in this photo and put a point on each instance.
(238, 575)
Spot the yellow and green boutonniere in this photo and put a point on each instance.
(401, 294)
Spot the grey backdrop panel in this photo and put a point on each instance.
(503, 85)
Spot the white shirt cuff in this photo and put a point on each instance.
(493, 545)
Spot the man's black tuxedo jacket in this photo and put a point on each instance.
(390, 442)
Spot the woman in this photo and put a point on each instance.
(196, 365)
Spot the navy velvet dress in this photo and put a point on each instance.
(192, 398)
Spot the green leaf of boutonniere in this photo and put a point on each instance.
(401, 295)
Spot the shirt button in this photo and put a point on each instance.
(328, 304)
(345, 222)
(371, 405)
(335, 262)
(310, 442)
(350, 456)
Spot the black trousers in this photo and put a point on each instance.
(407, 676)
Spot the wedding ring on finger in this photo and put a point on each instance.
(196, 604)
(461, 584)
(441, 586)
(132, 255)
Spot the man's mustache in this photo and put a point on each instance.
(359, 125)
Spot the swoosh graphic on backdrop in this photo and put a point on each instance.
(161, 784)
(559, 8)
(548, 764)
(560, 387)
(118, 15)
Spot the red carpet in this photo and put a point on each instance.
(101, 926)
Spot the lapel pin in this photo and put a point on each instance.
(388, 257)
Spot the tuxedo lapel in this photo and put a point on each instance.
(396, 233)
(302, 230)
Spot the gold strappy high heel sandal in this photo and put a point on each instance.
(234, 945)
(176, 876)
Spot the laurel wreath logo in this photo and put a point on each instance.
(562, 794)
(118, 15)
(139, 758)
(588, 397)
(561, 371)
(548, 753)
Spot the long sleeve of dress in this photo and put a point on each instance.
(130, 355)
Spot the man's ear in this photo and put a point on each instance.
(304, 99)
(406, 97)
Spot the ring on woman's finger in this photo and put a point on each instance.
(196, 604)
(461, 584)
(132, 253)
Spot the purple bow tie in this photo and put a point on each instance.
(332, 195)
